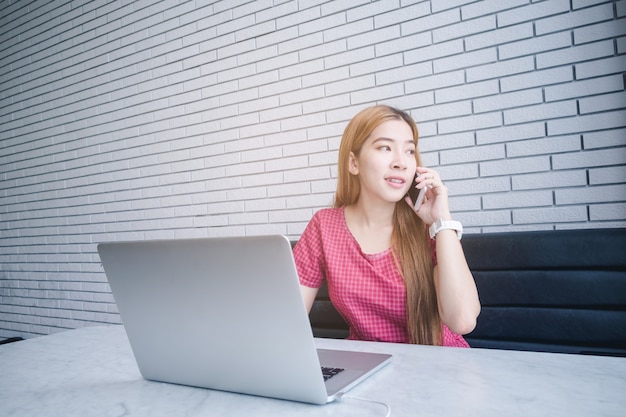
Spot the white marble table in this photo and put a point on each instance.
(92, 372)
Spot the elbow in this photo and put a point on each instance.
(464, 326)
(463, 323)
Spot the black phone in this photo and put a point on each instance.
(417, 196)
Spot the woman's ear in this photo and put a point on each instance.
(353, 164)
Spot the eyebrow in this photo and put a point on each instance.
(386, 139)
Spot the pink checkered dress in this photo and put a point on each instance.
(367, 290)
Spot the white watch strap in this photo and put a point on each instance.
(440, 225)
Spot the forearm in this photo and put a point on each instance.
(456, 291)
(308, 296)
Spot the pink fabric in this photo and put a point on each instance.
(367, 290)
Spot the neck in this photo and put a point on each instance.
(371, 225)
(372, 215)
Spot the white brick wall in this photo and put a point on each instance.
(154, 119)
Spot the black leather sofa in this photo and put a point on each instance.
(550, 291)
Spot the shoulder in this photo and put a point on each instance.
(329, 221)
(326, 227)
(326, 215)
(322, 220)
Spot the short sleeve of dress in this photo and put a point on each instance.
(309, 255)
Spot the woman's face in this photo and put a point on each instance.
(386, 163)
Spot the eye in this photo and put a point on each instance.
(384, 148)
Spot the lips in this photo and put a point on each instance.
(396, 181)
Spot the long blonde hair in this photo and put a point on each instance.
(409, 240)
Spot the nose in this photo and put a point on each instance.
(399, 161)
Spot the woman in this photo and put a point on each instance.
(385, 275)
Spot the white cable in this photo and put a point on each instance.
(342, 396)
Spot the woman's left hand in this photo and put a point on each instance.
(435, 205)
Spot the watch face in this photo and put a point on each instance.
(440, 225)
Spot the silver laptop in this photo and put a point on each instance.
(226, 314)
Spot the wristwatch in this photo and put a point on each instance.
(440, 225)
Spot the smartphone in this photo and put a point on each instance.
(417, 196)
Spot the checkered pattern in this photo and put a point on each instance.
(366, 289)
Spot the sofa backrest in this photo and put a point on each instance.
(555, 291)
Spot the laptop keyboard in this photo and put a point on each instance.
(330, 372)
